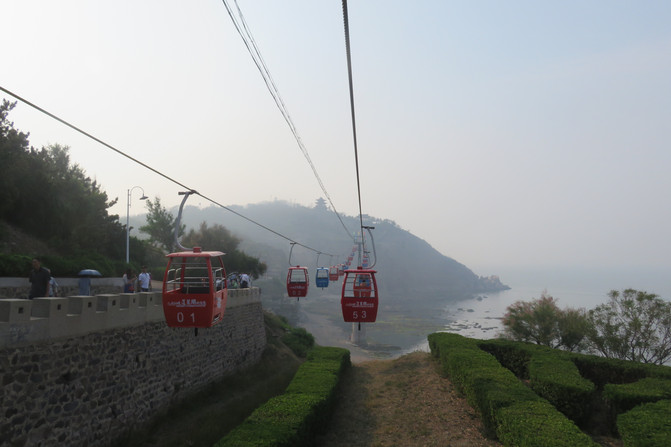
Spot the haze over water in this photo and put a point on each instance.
(480, 316)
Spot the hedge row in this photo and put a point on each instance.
(624, 397)
(626, 386)
(294, 418)
(511, 410)
(648, 425)
(551, 373)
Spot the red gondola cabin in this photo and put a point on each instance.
(333, 273)
(194, 289)
(297, 281)
(359, 299)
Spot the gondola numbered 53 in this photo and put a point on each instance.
(194, 289)
(359, 298)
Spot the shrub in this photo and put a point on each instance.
(299, 340)
(304, 409)
(537, 424)
(508, 407)
(648, 425)
(602, 371)
(626, 396)
(283, 421)
(486, 384)
(510, 354)
(14, 265)
(556, 378)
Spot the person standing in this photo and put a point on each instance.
(39, 280)
(244, 281)
(145, 280)
(128, 281)
(53, 285)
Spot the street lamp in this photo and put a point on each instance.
(127, 222)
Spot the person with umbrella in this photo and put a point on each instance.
(85, 281)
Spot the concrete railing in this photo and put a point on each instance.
(25, 321)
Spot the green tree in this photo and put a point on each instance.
(541, 321)
(573, 327)
(77, 210)
(160, 226)
(46, 196)
(14, 146)
(633, 325)
(218, 237)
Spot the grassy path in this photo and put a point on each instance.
(402, 402)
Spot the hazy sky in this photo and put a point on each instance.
(509, 133)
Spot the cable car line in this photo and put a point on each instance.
(252, 48)
(351, 100)
(144, 165)
(360, 294)
(51, 115)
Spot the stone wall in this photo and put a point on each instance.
(88, 387)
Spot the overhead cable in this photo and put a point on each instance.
(351, 100)
(165, 176)
(252, 48)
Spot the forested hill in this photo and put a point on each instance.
(408, 266)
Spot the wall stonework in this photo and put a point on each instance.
(87, 389)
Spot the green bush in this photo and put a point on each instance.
(501, 398)
(626, 396)
(647, 425)
(551, 373)
(486, 384)
(601, 370)
(537, 424)
(294, 418)
(510, 355)
(299, 340)
(283, 421)
(556, 378)
(14, 265)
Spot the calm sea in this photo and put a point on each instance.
(480, 317)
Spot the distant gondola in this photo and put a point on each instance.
(322, 277)
(333, 273)
(297, 281)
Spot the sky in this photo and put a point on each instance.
(505, 134)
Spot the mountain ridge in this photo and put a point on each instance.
(406, 264)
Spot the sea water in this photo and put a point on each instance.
(480, 316)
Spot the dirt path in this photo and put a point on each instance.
(402, 402)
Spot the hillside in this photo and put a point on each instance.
(406, 263)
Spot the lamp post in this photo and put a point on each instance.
(130, 191)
